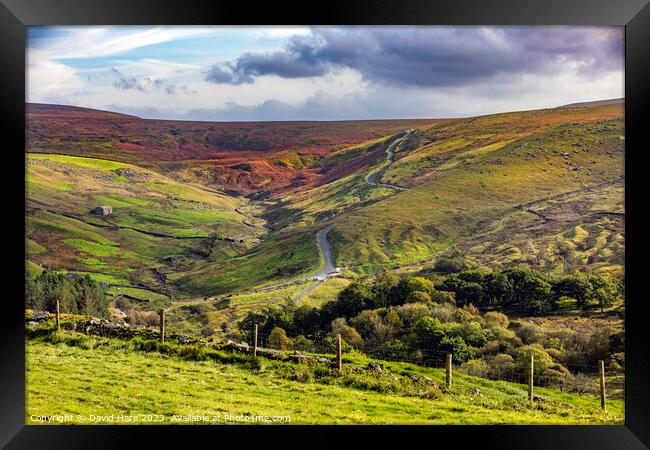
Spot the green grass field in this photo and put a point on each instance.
(101, 377)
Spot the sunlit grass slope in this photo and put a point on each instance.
(153, 217)
(99, 377)
(469, 174)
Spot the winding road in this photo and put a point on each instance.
(328, 270)
(390, 159)
(323, 243)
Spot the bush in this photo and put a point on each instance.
(443, 312)
(444, 297)
(542, 360)
(501, 365)
(457, 347)
(418, 297)
(529, 333)
(446, 264)
(475, 367)
(348, 334)
(410, 313)
(278, 339)
(302, 343)
(495, 319)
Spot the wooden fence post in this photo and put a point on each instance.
(339, 362)
(162, 325)
(448, 370)
(255, 341)
(531, 371)
(58, 316)
(603, 401)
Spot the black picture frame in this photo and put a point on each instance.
(15, 15)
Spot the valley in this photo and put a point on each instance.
(212, 213)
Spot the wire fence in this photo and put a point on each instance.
(583, 379)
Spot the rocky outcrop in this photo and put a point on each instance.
(40, 315)
(103, 210)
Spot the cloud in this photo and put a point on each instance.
(432, 56)
(146, 84)
(323, 73)
(95, 42)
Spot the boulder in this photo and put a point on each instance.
(325, 361)
(70, 326)
(103, 210)
(40, 315)
(242, 347)
(375, 366)
(271, 354)
(32, 324)
(299, 357)
(475, 391)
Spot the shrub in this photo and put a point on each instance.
(449, 264)
(348, 334)
(457, 347)
(418, 297)
(302, 343)
(410, 313)
(475, 367)
(542, 360)
(392, 349)
(495, 319)
(529, 333)
(501, 364)
(278, 339)
(443, 297)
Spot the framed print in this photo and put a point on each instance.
(418, 216)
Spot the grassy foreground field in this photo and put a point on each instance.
(73, 378)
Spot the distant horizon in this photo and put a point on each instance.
(612, 100)
(321, 73)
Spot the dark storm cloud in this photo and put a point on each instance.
(294, 62)
(432, 56)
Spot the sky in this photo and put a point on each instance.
(238, 73)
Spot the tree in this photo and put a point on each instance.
(352, 299)
(470, 293)
(371, 326)
(306, 320)
(577, 287)
(531, 292)
(278, 339)
(381, 287)
(406, 286)
(603, 291)
(33, 294)
(498, 288)
(75, 295)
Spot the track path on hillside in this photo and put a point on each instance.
(390, 159)
(324, 245)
